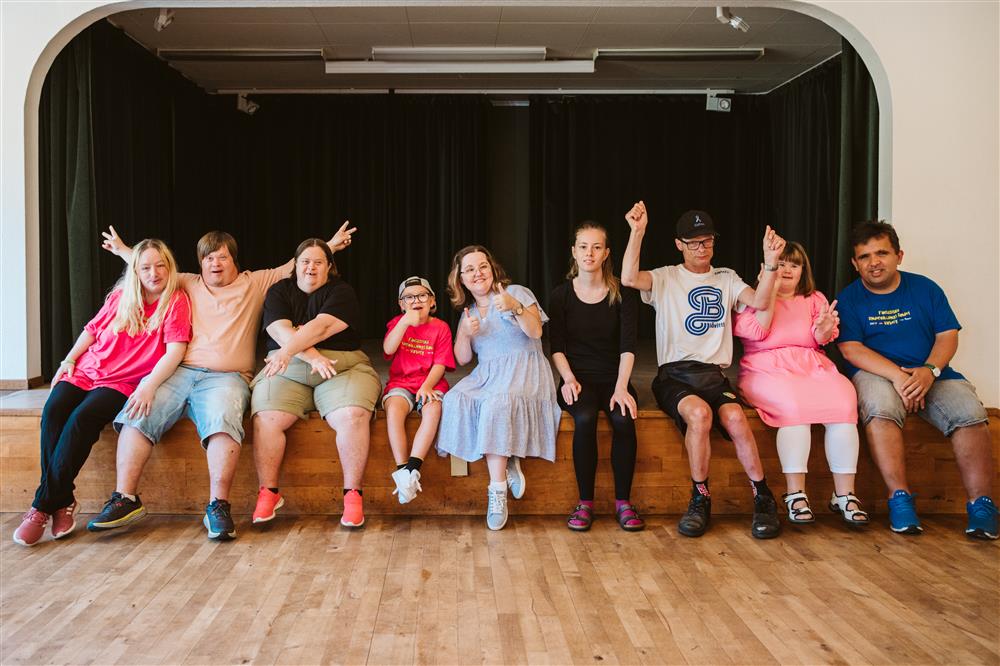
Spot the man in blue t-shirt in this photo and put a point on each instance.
(898, 334)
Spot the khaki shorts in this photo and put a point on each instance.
(296, 391)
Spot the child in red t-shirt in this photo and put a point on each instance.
(420, 348)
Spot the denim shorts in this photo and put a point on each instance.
(949, 404)
(215, 401)
(409, 396)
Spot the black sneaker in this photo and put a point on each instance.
(695, 521)
(765, 523)
(118, 511)
(219, 521)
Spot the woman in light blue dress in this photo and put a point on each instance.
(506, 408)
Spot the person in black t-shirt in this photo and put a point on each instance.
(314, 362)
(592, 338)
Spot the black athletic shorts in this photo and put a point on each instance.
(676, 381)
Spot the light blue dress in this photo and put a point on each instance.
(507, 405)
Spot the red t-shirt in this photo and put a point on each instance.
(421, 348)
(118, 360)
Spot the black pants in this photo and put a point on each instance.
(72, 420)
(593, 398)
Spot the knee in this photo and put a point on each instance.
(351, 417)
(621, 425)
(585, 420)
(698, 416)
(733, 419)
(431, 410)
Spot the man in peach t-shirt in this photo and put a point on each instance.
(210, 386)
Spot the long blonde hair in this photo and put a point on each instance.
(613, 284)
(457, 292)
(131, 313)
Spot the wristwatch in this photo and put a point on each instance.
(770, 268)
(518, 311)
(936, 371)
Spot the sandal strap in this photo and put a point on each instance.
(582, 512)
(792, 498)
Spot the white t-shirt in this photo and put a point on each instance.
(693, 314)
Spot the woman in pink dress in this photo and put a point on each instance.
(788, 378)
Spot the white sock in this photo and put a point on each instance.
(498, 485)
(131, 498)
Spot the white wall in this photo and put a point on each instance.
(939, 172)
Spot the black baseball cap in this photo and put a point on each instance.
(695, 223)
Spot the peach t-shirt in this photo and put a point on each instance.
(225, 319)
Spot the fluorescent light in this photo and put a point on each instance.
(460, 54)
(544, 67)
(682, 55)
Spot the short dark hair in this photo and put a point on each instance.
(321, 244)
(870, 229)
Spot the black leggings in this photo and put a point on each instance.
(72, 420)
(593, 398)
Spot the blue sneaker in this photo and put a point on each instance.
(218, 521)
(903, 514)
(982, 519)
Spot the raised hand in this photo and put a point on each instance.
(470, 324)
(773, 246)
(827, 321)
(342, 238)
(113, 243)
(636, 217)
(503, 301)
(570, 391)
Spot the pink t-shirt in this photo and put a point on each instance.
(421, 348)
(118, 360)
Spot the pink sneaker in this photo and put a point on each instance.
(354, 515)
(63, 521)
(32, 527)
(268, 504)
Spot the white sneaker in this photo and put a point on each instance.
(415, 486)
(404, 489)
(515, 477)
(496, 509)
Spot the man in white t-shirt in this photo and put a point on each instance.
(694, 341)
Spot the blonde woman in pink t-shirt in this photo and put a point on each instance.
(124, 353)
(420, 349)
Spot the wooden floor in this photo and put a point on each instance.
(445, 590)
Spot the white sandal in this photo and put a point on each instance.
(802, 514)
(841, 504)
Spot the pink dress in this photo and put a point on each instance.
(785, 375)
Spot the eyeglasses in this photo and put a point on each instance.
(422, 297)
(707, 243)
(472, 270)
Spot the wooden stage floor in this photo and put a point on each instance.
(444, 590)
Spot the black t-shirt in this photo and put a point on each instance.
(336, 298)
(593, 336)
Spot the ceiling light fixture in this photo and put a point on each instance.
(739, 54)
(165, 18)
(237, 55)
(245, 105)
(723, 15)
(460, 60)
(715, 103)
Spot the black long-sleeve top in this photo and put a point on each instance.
(593, 336)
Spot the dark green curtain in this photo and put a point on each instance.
(71, 283)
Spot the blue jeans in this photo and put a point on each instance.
(949, 404)
(215, 401)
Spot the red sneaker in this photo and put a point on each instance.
(63, 521)
(354, 515)
(32, 527)
(268, 504)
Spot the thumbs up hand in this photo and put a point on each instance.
(470, 324)
(504, 302)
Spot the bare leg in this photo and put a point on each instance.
(973, 453)
(795, 481)
(498, 468)
(269, 444)
(885, 441)
(430, 416)
(396, 410)
(698, 417)
(353, 428)
(735, 422)
(843, 483)
(134, 449)
(223, 455)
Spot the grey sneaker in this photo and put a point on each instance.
(404, 487)
(515, 477)
(496, 509)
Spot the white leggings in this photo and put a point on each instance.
(841, 448)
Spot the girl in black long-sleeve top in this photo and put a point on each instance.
(592, 337)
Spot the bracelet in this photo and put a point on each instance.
(770, 268)
(66, 360)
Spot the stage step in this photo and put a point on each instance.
(176, 478)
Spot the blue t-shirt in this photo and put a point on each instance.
(900, 325)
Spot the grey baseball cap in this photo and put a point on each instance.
(414, 281)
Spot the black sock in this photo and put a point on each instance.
(701, 488)
(347, 490)
(760, 488)
(414, 463)
(273, 490)
(399, 467)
